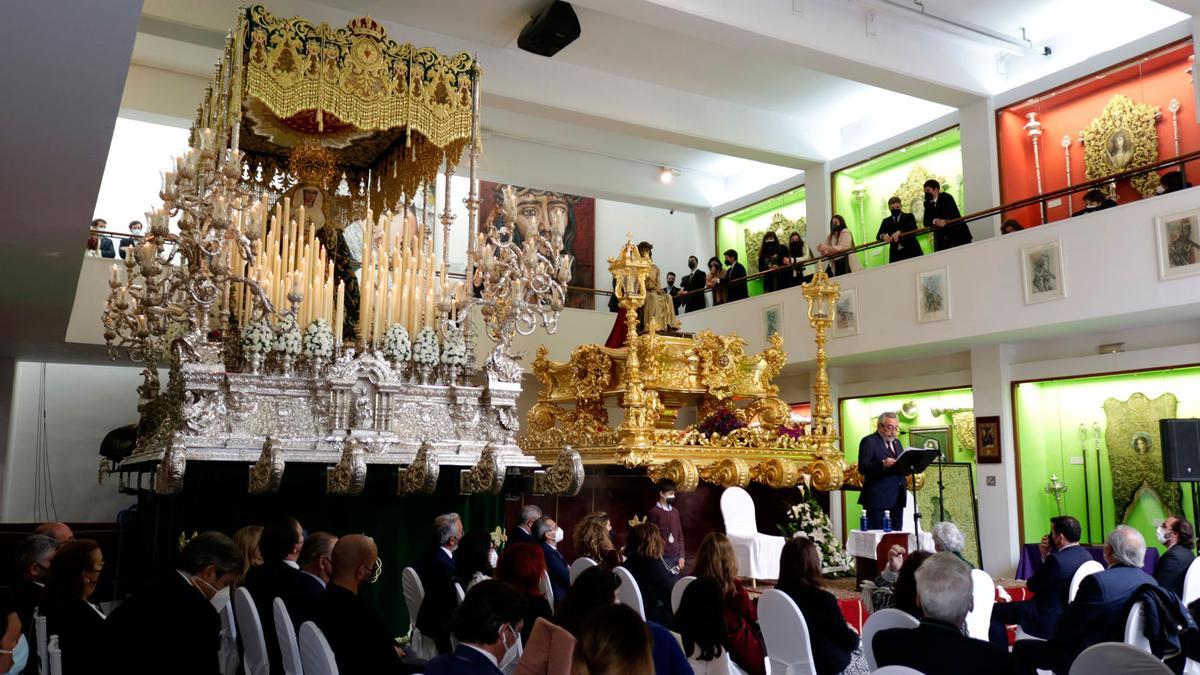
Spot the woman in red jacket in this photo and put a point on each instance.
(716, 560)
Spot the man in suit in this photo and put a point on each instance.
(31, 562)
(106, 245)
(488, 626)
(1099, 610)
(316, 565)
(174, 625)
(280, 546)
(940, 211)
(438, 574)
(361, 642)
(883, 485)
(549, 534)
(693, 281)
(737, 290)
(522, 532)
(894, 227)
(135, 236)
(672, 290)
(938, 646)
(1061, 557)
(1179, 538)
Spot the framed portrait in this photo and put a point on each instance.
(1178, 241)
(933, 295)
(987, 440)
(1042, 272)
(845, 314)
(772, 321)
(932, 438)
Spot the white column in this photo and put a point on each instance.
(818, 203)
(996, 484)
(981, 180)
(836, 512)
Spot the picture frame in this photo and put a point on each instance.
(987, 440)
(845, 314)
(772, 321)
(1177, 240)
(1042, 272)
(933, 295)
(932, 438)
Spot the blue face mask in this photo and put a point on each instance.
(20, 655)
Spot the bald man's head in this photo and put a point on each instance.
(59, 532)
(354, 560)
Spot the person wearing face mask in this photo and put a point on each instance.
(135, 237)
(32, 562)
(106, 245)
(360, 640)
(893, 228)
(1179, 537)
(174, 625)
(475, 559)
(488, 626)
(438, 573)
(940, 213)
(666, 516)
(79, 625)
(316, 566)
(798, 251)
(549, 534)
(1061, 557)
(733, 278)
(766, 260)
(693, 283)
(839, 240)
(1095, 200)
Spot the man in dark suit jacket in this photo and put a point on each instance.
(438, 574)
(896, 225)
(488, 626)
(1061, 557)
(522, 532)
(940, 209)
(693, 281)
(737, 290)
(938, 646)
(316, 565)
(1099, 611)
(280, 546)
(1179, 537)
(883, 486)
(173, 626)
(549, 534)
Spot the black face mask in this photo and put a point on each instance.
(895, 213)
(836, 227)
(928, 196)
(691, 264)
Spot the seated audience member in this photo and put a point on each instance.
(522, 532)
(59, 532)
(487, 627)
(1099, 610)
(593, 539)
(644, 560)
(881, 594)
(438, 573)
(904, 591)
(833, 641)
(716, 560)
(70, 615)
(1009, 226)
(316, 566)
(1095, 200)
(474, 559)
(665, 515)
(549, 534)
(1061, 557)
(1179, 538)
(701, 626)
(280, 544)
(947, 537)
(247, 540)
(15, 650)
(32, 560)
(361, 642)
(522, 566)
(175, 621)
(938, 646)
(613, 641)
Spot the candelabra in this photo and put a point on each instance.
(1034, 128)
(1057, 488)
(1066, 146)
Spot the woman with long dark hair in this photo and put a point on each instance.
(474, 559)
(833, 642)
(79, 625)
(644, 560)
(716, 560)
(700, 623)
(840, 239)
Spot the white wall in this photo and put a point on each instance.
(674, 236)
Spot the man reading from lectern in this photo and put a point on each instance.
(883, 486)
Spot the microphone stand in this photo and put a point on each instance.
(941, 488)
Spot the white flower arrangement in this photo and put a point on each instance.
(454, 348)
(257, 336)
(396, 345)
(287, 340)
(318, 340)
(425, 350)
(807, 519)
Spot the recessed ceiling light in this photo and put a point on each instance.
(666, 175)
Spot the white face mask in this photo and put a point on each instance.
(558, 534)
(493, 558)
(512, 652)
(137, 232)
(20, 656)
(220, 597)
(1162, 534)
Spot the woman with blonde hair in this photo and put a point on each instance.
(716, 560)
(247, 540)
(593, 539)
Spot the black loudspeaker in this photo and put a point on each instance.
(552, 29)
(1180, 450)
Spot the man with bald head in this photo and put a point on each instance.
(59, 532)
(360, 641)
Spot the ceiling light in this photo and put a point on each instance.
(666, 175)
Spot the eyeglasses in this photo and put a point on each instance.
(890, 426)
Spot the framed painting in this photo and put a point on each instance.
(1178, 239)
(949, 495)
(1042, 272)
(772, 321)
(932, 438)
(933, 295)
(987, 440)
(845, 314)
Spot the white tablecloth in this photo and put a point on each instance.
(862, 544)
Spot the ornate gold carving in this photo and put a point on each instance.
(1135, 449)
(486, 477)
(593, 370)
(777, 473)
(964, 431)
(852, 478)
(912, 191)
(420, 477)
(825, 474)
(683, 471)
(267, 472)
(564, 478)
(732, 472)
(168, 479)
(1121, 138)
(313, 164)
(349, 476)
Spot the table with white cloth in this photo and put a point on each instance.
(862, 544)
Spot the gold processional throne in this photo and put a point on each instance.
(743, 430)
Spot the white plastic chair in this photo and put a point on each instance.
(757, 553)
(229, 656)
(980, 616)
(883, 620)
(546, 587)
(785, 635)
(629, 593)
(677, 592)
(1135, 627)
(285, 632)
(579, 566)
(414, 594)
(1191, 582)
(315, 653)
(1116, 657)
(897, 670)
(1085, 570)
(39, 627)
(254, 657)
(459, 592)
(722, 665)
(55, 655)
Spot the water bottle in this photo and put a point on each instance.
(862, 522)
(887, 522)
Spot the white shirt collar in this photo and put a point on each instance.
(323, 584)
(489, 655)
(448, 552)
(292, 564)
(666, 508)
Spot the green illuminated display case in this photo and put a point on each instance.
(742, 230)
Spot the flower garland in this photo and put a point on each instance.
(425, 351)
(288, 340)
(396, 345)
(257, 336)
(721, 422)
(318, 340)
(808, 520)
(454, 349)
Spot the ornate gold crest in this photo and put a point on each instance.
(1121, 138)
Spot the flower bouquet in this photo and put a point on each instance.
(288, 342)
(722, 421)
(454, 355)
(257, 339)
(318, 344)
(808, 520)
(426, 353)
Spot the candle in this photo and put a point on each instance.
(340, 312)
(115, 279)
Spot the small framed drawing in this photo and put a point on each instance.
(987, 440)
(772, 321)
(932, 438)
(933, 295)
(1042, 272)
(845, 314)
(1178, 239)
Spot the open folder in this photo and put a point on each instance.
(915, 460)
